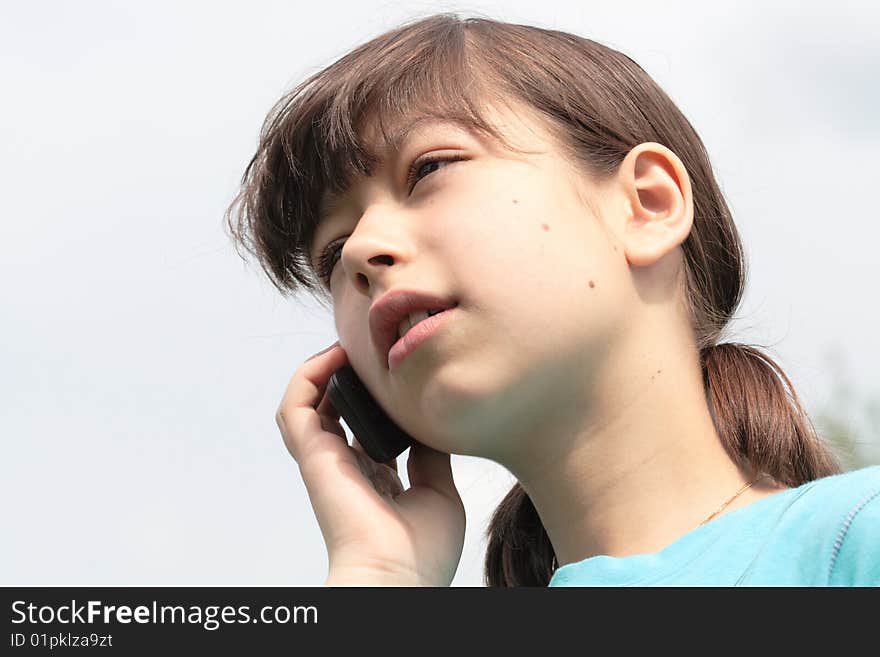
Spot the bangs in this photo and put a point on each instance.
(337, 126)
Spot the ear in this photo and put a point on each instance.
(659, 203)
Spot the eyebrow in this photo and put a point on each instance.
(399, 137)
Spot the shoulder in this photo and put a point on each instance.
(855, 555)
(823, 532)
(848, 506)
(844, 486)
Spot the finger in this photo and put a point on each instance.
(323, 351)
(432, 469)
(383, 476)
(296, 416)
(330, 418)
(330, 425)
(360, 448)
(307, 385)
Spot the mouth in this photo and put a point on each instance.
(411, 335)
(414, 318)
(401, 312)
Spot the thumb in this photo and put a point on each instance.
(432, 469)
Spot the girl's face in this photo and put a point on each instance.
(539, 279)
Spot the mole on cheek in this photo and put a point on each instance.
(515, 201)
(592, 284)
(545, 226)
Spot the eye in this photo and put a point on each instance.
(413, 177)
(327, 260)
(330, 255)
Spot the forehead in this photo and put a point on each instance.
(509, 127)
(401, 131)
(513, 124)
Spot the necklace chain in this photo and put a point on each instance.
(721, 508)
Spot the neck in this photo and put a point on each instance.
(640, 470)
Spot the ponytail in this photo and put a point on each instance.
(759, 419)
(519, 552)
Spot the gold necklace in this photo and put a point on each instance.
(723, 506)
(555, 564)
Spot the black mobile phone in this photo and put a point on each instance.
(380, 437)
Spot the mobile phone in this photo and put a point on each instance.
(380, 437)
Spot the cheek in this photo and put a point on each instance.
(354, 333)
(549, 277)
(517, 247)
(488, 244)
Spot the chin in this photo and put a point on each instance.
(459, 407)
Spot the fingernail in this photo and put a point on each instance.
(323, 351)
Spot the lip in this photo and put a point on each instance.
(388, 311)
(416, 336)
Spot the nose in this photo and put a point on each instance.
(378, 243)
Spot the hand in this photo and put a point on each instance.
(376, 533)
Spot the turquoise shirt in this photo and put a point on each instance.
(823, 533)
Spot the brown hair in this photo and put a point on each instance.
(599, 104)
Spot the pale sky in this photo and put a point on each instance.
(143, 361)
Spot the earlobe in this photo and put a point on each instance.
(659, 203)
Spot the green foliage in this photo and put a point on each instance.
(848, 422)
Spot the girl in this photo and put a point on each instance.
(547, 195)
